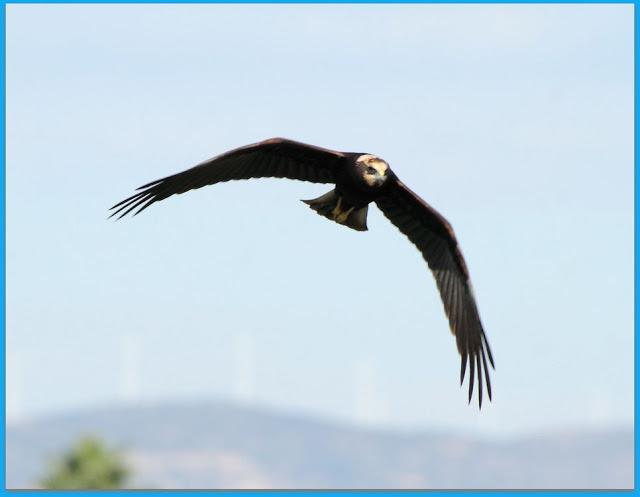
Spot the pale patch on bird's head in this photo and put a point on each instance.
(373, 169)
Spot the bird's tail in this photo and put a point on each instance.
(332, 206)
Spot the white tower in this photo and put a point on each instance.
(130, 375)
(14, 383)
(370, 408)
(244, 364)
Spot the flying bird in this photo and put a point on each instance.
(359, 178)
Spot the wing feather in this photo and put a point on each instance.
(435, 239)
(277, 157)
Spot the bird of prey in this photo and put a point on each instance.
(359, 178)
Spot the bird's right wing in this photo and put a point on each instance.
(275, 158)
(434, 237)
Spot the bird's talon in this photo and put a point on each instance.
(337, 210)
(343, 216)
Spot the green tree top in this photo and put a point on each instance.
(89, 464)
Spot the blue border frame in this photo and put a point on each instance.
(3, 489)
(326, 1)
(3, 250)
(636, 403)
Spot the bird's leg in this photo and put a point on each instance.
(343, 216)
(337, 210)
(338, 214)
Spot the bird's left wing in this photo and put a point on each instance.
(276, 158)
(434, 237)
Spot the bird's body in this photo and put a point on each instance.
(359, 178)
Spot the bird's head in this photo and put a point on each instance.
(373, 170)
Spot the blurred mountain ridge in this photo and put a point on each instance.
(221, 445)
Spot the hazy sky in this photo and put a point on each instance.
(515, 122)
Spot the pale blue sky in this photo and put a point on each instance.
(516, 122)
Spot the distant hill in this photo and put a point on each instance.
(215, 445)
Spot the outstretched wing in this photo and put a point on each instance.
(434, 237)
(275, 158)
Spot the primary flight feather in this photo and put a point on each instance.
(359, 180)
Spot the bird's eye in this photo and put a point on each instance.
(372, 170)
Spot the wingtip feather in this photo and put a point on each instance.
(463, 367)
(479, 381)
(471, 376)
(486, 374)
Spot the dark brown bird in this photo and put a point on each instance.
(360, 179)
